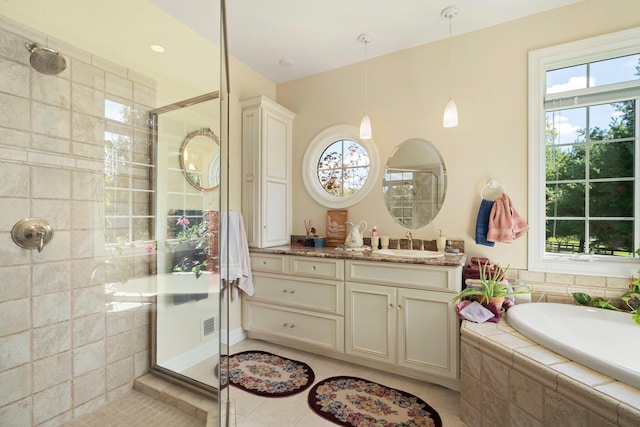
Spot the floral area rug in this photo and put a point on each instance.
(350, 401)
(265, 374)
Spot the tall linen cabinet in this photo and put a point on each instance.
(267, 132)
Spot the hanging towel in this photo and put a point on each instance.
(235, 266)
(482, 223)
(505, 224)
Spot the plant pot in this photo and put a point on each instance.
(497, 301)
(634, 301)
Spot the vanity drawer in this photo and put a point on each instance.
(310, 294)
(317, 329)
(417, 276)
(322, 268)
(268, 263)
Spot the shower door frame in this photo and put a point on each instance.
(154, 368)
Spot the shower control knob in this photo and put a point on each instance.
(32, 233)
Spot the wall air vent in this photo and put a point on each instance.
(208, 326)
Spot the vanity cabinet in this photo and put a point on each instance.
(297, 300)
(267, 129)
(402, 314)
(396, 317)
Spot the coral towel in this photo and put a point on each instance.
(505, 224)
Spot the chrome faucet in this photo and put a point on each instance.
(410, 237)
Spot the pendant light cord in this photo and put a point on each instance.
(450, 58)
(365, 77)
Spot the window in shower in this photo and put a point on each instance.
(127, 172)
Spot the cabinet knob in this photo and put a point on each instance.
(264, 262)
(313, 267)
(292, 291)
(390, 305)
(285, 325)
(284, 291)
(292, 326)
(399, 306)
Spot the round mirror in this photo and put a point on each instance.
(414, 183)
(200, 159)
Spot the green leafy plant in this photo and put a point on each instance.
(631, 298)
(197, 237)
(492, 285)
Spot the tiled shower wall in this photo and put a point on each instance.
(66, 346)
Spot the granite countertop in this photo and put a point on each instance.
(449, 260)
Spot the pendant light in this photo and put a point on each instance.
(365, 124)
(450, 118)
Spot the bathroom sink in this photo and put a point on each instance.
(406, 253)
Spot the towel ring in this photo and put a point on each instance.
(493, 184)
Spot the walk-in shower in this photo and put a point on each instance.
(45, 60)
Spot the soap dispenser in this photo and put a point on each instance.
(375, 240)
(441, 242)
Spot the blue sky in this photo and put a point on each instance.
(615, 70)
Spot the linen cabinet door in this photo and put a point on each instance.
(370, 321)
(427, 332)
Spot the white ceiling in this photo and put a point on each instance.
(316, 35)
(321, 35)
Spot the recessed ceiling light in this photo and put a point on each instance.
(286, 62)
(157, 48)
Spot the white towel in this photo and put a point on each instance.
(236, 267)
(476, 313)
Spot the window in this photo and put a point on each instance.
(584, 156)
(343, 168)
(339, 169)
(127, 167)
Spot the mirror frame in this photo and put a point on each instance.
(208, 133)
(442, 191)
(317, 146)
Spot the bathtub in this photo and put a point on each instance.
(603, 340)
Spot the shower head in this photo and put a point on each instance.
(45, 60)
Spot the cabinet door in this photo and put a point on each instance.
(428, 332)
(276, 190)
(370, 321)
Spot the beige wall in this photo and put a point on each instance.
(407, 94)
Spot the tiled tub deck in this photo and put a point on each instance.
(508, 380)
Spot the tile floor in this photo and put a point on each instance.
(256, 411)
(135, 409)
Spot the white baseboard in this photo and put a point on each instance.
(204, 351)
(192, 357)
(235, 336)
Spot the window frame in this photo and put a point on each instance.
(540, 61)
(317, 146)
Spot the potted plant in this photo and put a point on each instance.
(192, 251)
(631, 298)
(493, 287)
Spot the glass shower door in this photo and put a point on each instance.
(186, 326)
